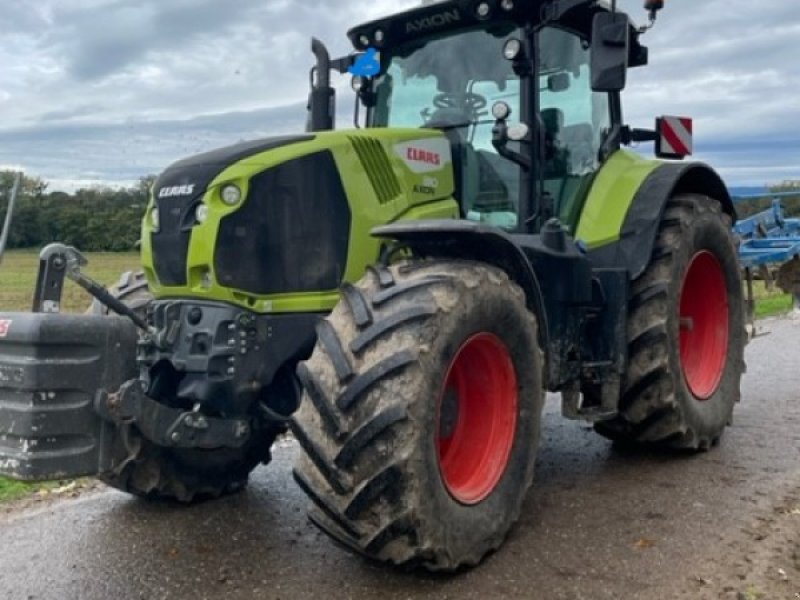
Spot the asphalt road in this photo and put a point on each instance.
(599, 523)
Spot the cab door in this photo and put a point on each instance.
(575, 121)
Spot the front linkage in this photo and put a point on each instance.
(167, 426)
(197, 396)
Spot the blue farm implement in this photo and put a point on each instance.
(769, 246)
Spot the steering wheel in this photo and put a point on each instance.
(468, 101)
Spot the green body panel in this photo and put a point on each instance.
(419, 195)
(612, 193)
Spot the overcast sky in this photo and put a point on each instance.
(109, 90)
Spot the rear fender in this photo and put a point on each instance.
(634, 247)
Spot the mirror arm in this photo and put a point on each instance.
(630, 135)
(343, 64)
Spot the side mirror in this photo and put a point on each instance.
(610, 50)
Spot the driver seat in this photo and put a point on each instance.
(454, 123)
(478, 186)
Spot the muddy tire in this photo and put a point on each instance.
(421, 412)
(183, 475)
(190, 475)
(686, 333)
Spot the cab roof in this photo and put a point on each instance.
(441, 17)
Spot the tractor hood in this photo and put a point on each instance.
(191, 176)
(264, 223)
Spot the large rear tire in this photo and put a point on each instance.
(184, 475)
(420, 418)
(686, 333)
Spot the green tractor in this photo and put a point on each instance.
(403, 293)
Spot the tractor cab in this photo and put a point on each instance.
(531, 114)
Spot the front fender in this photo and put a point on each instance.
(450, 238)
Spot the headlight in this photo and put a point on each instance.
(518, 132)
(231, 194)
(512, 49)
(201, 213)
(483, 10)
(501, 110)
(155, 219)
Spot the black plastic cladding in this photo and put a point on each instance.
(292, 233)
(48, 385)
(431, 19)
(171, 243)
(221, 351)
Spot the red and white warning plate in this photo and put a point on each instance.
(675, 137)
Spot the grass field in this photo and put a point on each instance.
(770, 303)
(18, 279)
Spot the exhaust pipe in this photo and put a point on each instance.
(322, 99)
(12, 200)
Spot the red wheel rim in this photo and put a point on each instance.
(477, 418)
(704, 316)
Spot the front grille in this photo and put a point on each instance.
(171, 243)
(292, 232)
(378, 168)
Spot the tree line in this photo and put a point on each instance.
(95, 219)
(791, 204)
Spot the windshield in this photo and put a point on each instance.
(450, 81)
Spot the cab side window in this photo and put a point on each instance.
(575, 120)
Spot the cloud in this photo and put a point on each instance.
(116, 89)
(120, 153)
(99, 41)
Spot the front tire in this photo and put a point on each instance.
(686, 333)
(420, 418)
